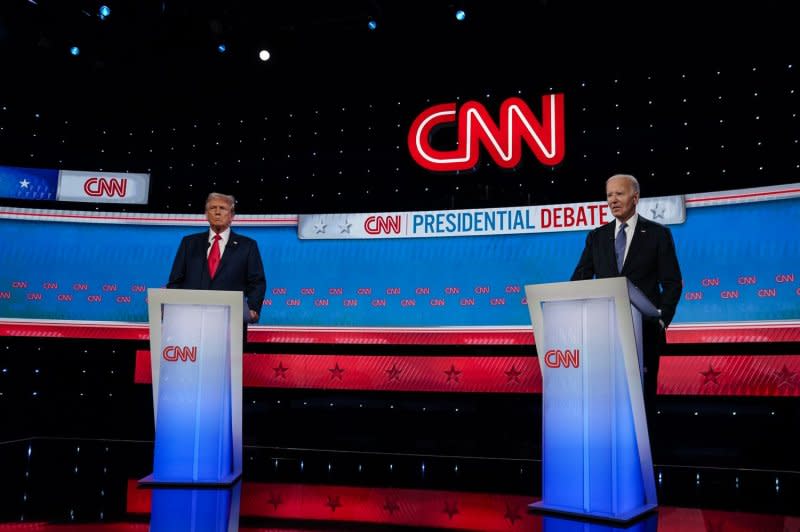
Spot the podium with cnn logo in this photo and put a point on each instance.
(596, 460)
(196, 359)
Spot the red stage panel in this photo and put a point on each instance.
(384, 373)
(718, 375)
(739, 375)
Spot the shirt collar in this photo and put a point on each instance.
(631, 223)
(226, 234)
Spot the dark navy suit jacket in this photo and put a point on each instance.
(240, 268)
(651, 263)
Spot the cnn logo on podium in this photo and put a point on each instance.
(556, 358)
(173, 353)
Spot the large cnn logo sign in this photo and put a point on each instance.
(476, 127)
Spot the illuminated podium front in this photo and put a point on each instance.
(596, 460)
(196, 359)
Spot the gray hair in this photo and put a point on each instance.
(629, 178)
(227, 198)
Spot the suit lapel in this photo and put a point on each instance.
(637, 241)
(608, 245)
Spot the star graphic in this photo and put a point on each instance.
(453, 374)
(391, 505)
(394, 373)
(320, 227)
(710, 375)
(275, 500)
(450, 510)
(786, 377)
(24, 183)
(333, 502)
(280, 371)
(657, 213)
(512, 513)
(336, 372)
(345, 227)
(513, 374)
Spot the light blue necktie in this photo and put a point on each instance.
(619, 246)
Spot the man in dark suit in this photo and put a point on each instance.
(219, 259)
(647, 255)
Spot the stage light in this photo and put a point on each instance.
(221, 48)
(372, 25)
(264, 55)
(74, 50)
(460, 15)
(104, 12)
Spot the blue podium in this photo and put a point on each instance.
(596, 460)
(196, 358)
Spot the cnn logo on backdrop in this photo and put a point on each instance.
(556, 358)
(174, 353)
(108, 187)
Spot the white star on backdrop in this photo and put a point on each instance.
(320, 227)
(24, 183)
(345, 227)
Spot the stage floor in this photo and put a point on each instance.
(71, 484)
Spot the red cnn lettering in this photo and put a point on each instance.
(467, 302)
(513, 289)
(693, 296)
(784, 278)
(50, 286)
(747, 279)
(517, 123)
(123, 299)
(408, 302)
(452, 290)
(307, 291)
(19, 284)
(34, 296)
(375, 225)
(555, 358)
(767, 292)
(100, 186)
(710, 281)
(173, 353)
(64, 297)
(5, 295)
(729, 294)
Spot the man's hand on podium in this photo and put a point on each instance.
(253, 316)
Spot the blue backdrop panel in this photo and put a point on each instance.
(733, 269)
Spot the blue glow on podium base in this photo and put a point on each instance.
(621, 518)
(228, 480)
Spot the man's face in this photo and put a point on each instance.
(621, 198)
(219, 215)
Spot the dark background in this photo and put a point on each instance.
(687, 96)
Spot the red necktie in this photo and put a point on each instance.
(213, 256)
